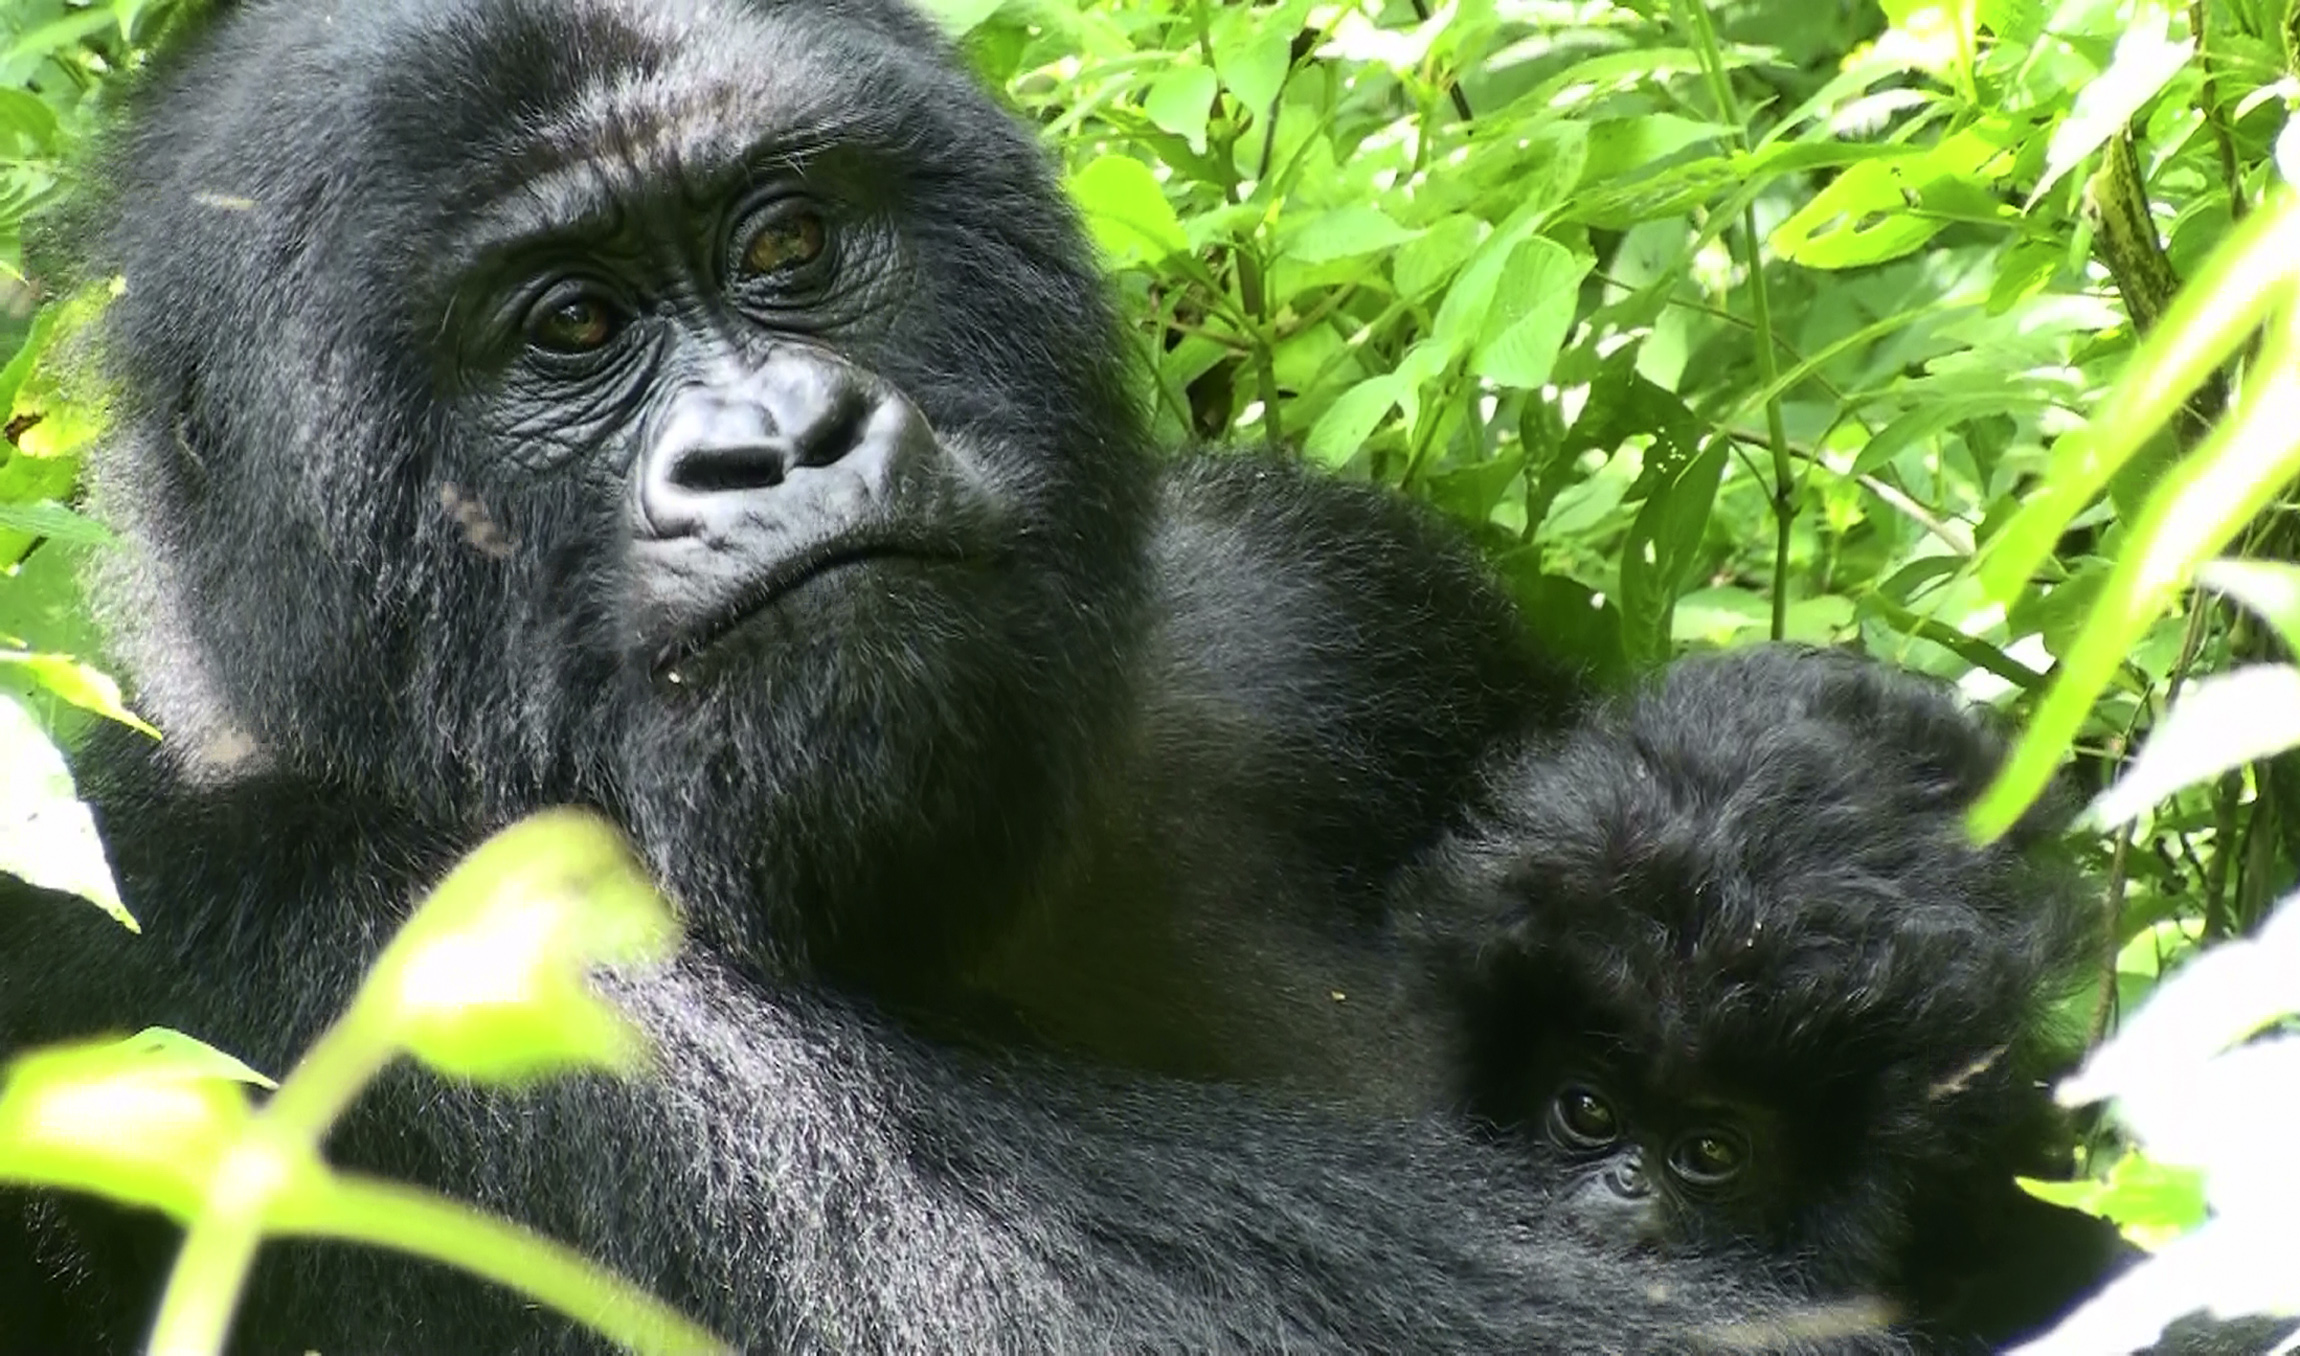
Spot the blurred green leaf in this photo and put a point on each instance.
(2270, 590)
(2220, 722)
(488, 980)
(1127, 212)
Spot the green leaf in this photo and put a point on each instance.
(1426, 261)
(2146, 60)
(1341, 233)
(1351, 419)
(1253, 48)
(2208, 318)
(31, 123)
(1663, 543)
(88, 688)
(20, 363)
(1720, 616)
(1530, 313)
(59, 34)
(1179, 101)
(1470, 492)
(1884, 208)
(47, 518)
(47, 835)
(1618, 146)
(2153, 1201)
(187, 1057)
(126, 1120)
(2221, 721)
(1461, 316)
(488, 979)
(2234, 475)
(1573, 621)
(957, 18)
(1127, 212)
(2271, 591)
(1972, 649)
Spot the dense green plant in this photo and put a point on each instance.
(1721, 320)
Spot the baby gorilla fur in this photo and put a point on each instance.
(1727, 962)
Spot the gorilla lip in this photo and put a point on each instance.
(709, 628)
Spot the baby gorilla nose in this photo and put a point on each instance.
(1628, 1180)
(720, 448)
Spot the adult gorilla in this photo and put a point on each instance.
(702, 410)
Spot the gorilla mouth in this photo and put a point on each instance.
(780, 581)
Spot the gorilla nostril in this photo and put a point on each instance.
(692, 477)
(730, 468)
(835, 427)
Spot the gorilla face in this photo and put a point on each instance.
(654, 423)
(1652, 1164)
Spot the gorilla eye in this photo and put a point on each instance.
(1709, 1158)
(561, 323)
(785, 243)
(1583, 1120)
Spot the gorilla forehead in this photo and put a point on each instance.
(463, 105)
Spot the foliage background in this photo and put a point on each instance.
(1715, 320)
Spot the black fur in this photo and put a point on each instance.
(1095, 723)
(703, 410)
(1740, 904)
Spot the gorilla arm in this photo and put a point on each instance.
(796, 1174)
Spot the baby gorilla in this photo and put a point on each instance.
(1725, 959)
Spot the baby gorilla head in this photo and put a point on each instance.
(1725, 959)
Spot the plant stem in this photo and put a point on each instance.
(1693, 16)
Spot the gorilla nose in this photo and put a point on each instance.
(718, 448)
(1628, 1180)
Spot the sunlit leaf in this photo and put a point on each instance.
(47, 835)
(84, 686)
(2221, 997)
(1884, 208)
(488, 979)
(1341, 233)
(2270, 590)
(2234, 475)
(1126, 211)
(2146, 59)
(1530, 313)
(1179, 100)
(127, 1120)
(2220, 722)
(2150, 1202)
(2245, 277)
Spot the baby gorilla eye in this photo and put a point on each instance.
(570, 324)
(1583, 1120)
(1708, 1158)
(789, 241)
